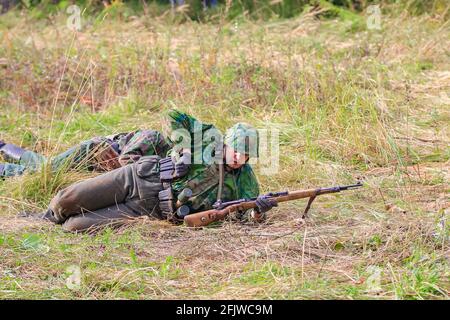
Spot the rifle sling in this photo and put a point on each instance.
(221, 177)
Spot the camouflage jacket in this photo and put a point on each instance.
(203, 178)
(134, 145)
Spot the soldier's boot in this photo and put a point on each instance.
(47, 215)
(11, 152)
(11, 170)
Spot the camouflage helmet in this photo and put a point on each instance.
(243, 138)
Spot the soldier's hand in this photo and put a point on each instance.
(264, 203)
(183, 165)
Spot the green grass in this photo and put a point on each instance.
(349, 103)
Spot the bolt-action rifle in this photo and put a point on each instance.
(222, 209)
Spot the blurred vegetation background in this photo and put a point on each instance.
(196, 9)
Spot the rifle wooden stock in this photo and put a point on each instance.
(204, 218)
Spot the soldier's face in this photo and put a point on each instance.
(234, 159)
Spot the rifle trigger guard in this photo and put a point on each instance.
(308, 206)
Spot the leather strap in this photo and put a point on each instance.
(221, 177)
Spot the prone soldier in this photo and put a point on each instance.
(157, 187)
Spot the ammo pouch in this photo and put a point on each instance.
(166, 198)
(167, 205)
(166, 169)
